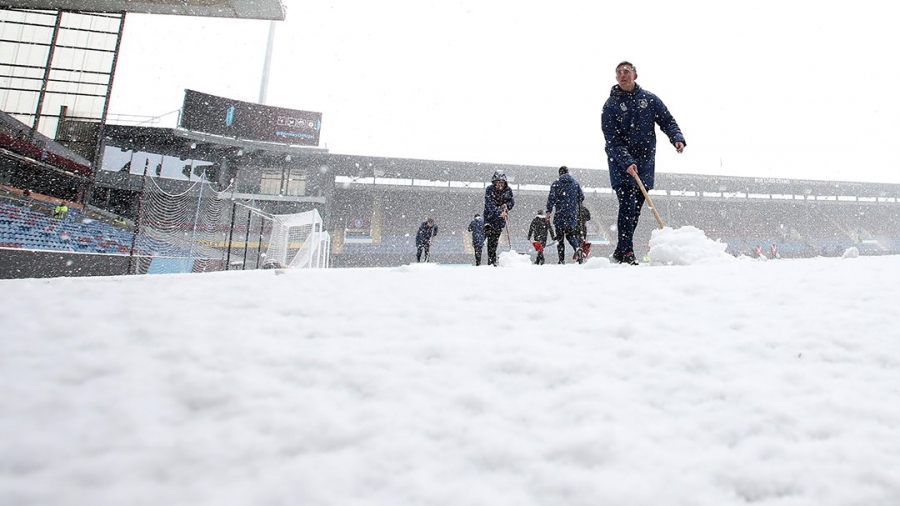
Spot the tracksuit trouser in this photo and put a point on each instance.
(630, 202)
(493, 238)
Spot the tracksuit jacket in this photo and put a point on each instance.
(629, 119)
(425, 233)
(492, 202)
(565, 195)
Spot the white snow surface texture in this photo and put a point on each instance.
(710, 382)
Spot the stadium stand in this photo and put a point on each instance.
(32, 227)
(22, 227)
(795, 227)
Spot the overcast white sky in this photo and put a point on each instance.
(768, 88)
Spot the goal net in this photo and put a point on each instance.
(184, 232)
(298, 241)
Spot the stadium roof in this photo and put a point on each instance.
(403, 168)
(187, 144)
(243, 9)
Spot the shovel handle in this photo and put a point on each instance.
(649, 201)
(508, 240)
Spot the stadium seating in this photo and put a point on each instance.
(23, 228)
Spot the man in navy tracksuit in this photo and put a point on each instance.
(566, 196)
(427, 230)
(498, 200)
(629, 121)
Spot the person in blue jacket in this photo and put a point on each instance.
(427, 230)
(629, 121)
(498, 200)
(476, 226)
(566, 197)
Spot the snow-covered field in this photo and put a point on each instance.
(716, 382)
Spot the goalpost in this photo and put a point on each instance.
(185, 232)
(298, 241)
(194, 232)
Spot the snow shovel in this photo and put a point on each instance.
(585, 250)
(508, 240)
(539, 247)
(585, 245)
(647, 196)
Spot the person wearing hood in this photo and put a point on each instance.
(540, 227)
(476, 226)
(566, 197)
(498, 200)
(629, 121)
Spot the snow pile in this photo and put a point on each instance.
(513, 259)
(416, 267)
(685, 246)
(851, 252)
(597, 263)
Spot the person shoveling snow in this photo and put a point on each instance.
(565, 198)
(538, 231)
(498, 200)
(629, 120)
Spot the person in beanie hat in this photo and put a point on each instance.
(584, 216)
(566, 197)
(427, 231)
(540, 227)
(629, 121)
(476, 226)
(498, 200)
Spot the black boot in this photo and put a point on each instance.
(628, 258)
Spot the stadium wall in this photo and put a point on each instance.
(19, 263)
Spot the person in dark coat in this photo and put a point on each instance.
(498, 200)
(566, 196)
(540, 227)
(476, 226)
(427, 231)
(584, 216)
(629, 121)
